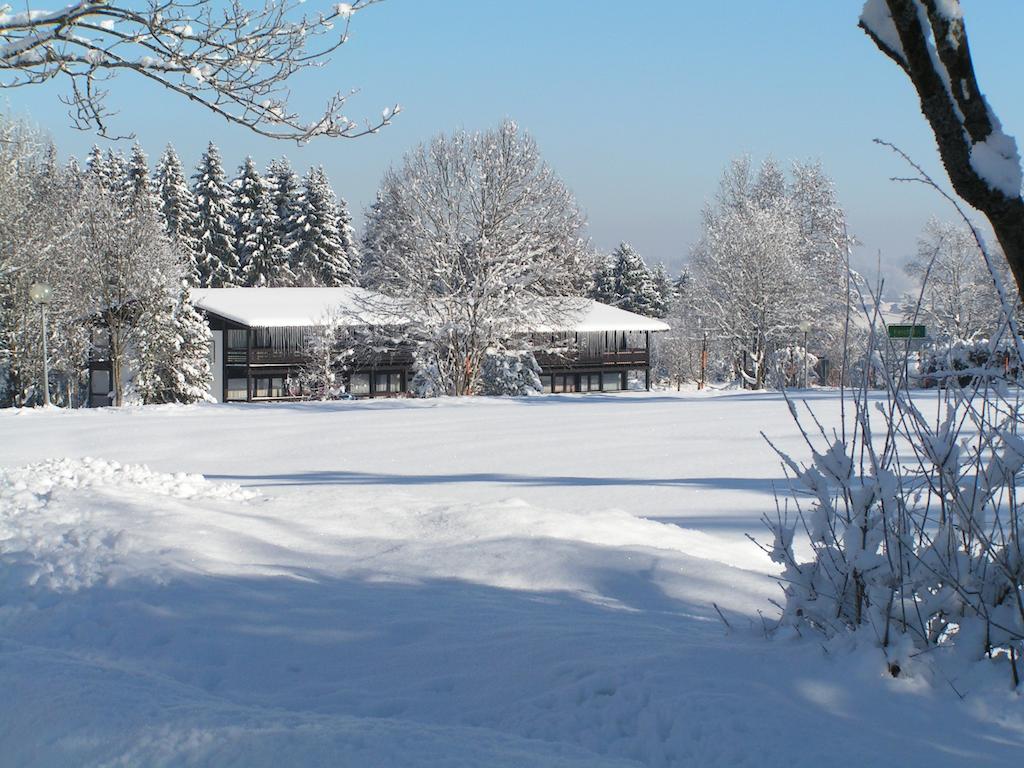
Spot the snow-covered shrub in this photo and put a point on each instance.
(507, 372)
(786, 368)
(426, 380)
(914, 523)
(967, 362)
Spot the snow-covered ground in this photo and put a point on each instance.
(474, 582)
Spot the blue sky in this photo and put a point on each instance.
(639, 106)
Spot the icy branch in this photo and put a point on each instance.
(233, 60)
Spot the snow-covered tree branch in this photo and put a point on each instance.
(474, 234)
(232, 59)
(928, 40)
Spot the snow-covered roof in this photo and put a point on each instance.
(295, 307)
(585, 315)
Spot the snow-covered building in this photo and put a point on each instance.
(260, 338)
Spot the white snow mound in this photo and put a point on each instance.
(69, 546)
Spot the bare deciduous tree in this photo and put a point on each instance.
(957, 300)
(474, 235)
(928, 40)
(232, 59)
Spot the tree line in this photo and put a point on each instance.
(119, 282)
(471, 233)
(258, 229)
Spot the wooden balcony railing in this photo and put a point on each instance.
(584, 359)
(264, 356)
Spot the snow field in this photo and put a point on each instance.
(418, 584)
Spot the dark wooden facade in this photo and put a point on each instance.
(256, 366)
(594, 361)
(263, 364)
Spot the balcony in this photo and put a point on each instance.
(268, 356)
(585, 359)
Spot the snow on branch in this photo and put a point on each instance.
(928, 40)
(234, 60)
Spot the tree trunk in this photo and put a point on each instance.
(959, 116)
(116, 359)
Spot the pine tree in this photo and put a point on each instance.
(514, 373)
(97, 169)
(264, 259)
(321, 256)
(377, 235)
(217, 257)
(603, 285)
(192, 374)
(349, 243)
(172, 354)
(119, 178)
(177, 207)
(139, 186)
(286, 194)
(634, 283)
(665, 290)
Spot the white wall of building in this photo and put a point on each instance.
(217, 364)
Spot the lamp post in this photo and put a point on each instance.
(40, 293)
(805, 326)
(703, 360)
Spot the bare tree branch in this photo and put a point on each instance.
(233, 60)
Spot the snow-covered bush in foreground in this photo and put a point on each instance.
(914, 524)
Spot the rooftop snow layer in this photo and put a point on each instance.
(583, 315)
(292, 307)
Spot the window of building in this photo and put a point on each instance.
(238, 389)
(360, 384)
(268, 386)
(611, 382)
(238, 339)
(386, 383)
(99, 382)
(565, 383)
(636, 340)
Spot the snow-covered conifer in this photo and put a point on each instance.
(603, 287)
(510, 372)
(634, 284)
(349, 244)
(139, 186)
(263, 256)
(320, 257)
(119, 174)
(172, 353)
(286, 193)
(177, 207)
(665, 290)
(217, 257)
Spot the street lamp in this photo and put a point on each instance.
(805, 326)
(40, 293)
